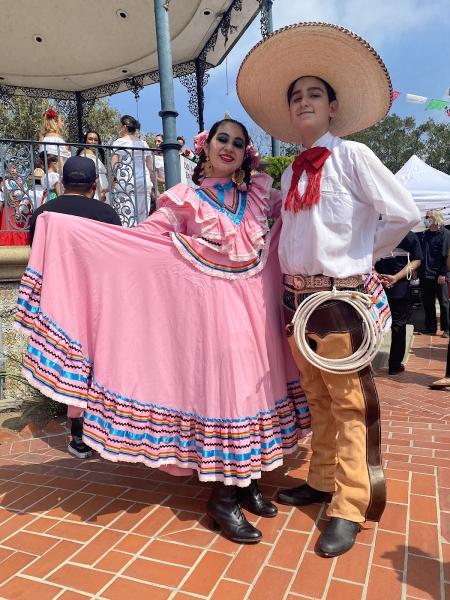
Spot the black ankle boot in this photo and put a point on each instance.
(77, 447)
(302, 496)
(223, 508)
(253, 500)
(338, 537)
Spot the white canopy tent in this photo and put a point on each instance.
(429, 187)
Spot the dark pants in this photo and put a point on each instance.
(430, 290)
(400, 312)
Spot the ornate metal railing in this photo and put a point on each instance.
(129, 179)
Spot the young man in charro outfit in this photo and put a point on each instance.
(342, 210)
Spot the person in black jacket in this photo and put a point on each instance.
(395, 272)
(444, 383)
(435, 242)
(79, 180)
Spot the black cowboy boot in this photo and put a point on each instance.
(252, 499)
(223, 508)
(302, 496)
(338, 537)
(77, 447)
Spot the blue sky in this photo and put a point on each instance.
(412, 37)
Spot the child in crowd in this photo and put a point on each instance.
(52, 181)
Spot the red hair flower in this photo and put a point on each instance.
(50, 113)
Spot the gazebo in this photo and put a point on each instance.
(85, 50)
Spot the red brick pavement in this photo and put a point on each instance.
(72, 529)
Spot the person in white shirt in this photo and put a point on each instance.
(132, 165)
(342, 210)
(159, 163)
(52, 181)
(53, 143)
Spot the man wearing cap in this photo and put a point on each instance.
(342, 209)
(79, 180)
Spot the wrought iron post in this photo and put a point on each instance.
(267, 29)
(199, 75)
(168, 112)
(79, 101)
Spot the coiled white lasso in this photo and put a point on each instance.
(372, 331)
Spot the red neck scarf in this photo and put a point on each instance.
(311, 161)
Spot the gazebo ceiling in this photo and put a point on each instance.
(94, 47)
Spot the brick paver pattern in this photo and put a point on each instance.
(73, 529)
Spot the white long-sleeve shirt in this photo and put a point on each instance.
(343, 234)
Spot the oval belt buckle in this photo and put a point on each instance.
(300, 282)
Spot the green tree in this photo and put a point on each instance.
(275, 167)
(102, 117)
(394, 140)
(21, 118)
(436, 139)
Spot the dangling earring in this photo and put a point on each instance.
(238, 177)
(207, 167)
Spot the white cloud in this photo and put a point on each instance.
(380, 21)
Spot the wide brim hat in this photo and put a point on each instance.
(338, 56)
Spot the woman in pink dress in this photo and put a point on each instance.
(169, 335)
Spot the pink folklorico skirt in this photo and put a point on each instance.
(171, 366)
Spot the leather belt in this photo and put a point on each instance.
(316, 283)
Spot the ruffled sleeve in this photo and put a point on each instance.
(267, 197)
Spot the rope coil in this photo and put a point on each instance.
(372, 331)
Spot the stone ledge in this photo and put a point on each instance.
(13, 260)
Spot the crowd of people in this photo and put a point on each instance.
(130, 173)
(204, 375)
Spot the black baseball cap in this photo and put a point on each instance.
(79, 170)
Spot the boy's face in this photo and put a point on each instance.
(309, 107)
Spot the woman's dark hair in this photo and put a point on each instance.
(330, 92)
(197, 175)
(101, 152)
(130, 123)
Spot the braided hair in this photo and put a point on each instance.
(197, 175)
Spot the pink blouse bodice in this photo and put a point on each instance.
(218, 228)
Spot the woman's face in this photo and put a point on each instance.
(226, 150)
(92, 138)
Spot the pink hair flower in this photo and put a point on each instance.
(253, 154)
(199, 141)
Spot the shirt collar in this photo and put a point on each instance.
(325, 141)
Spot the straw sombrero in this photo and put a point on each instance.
(347, 62)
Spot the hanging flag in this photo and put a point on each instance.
(436, 104)
(395, 95)
(416, 99)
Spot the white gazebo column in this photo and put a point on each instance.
(168, 113)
